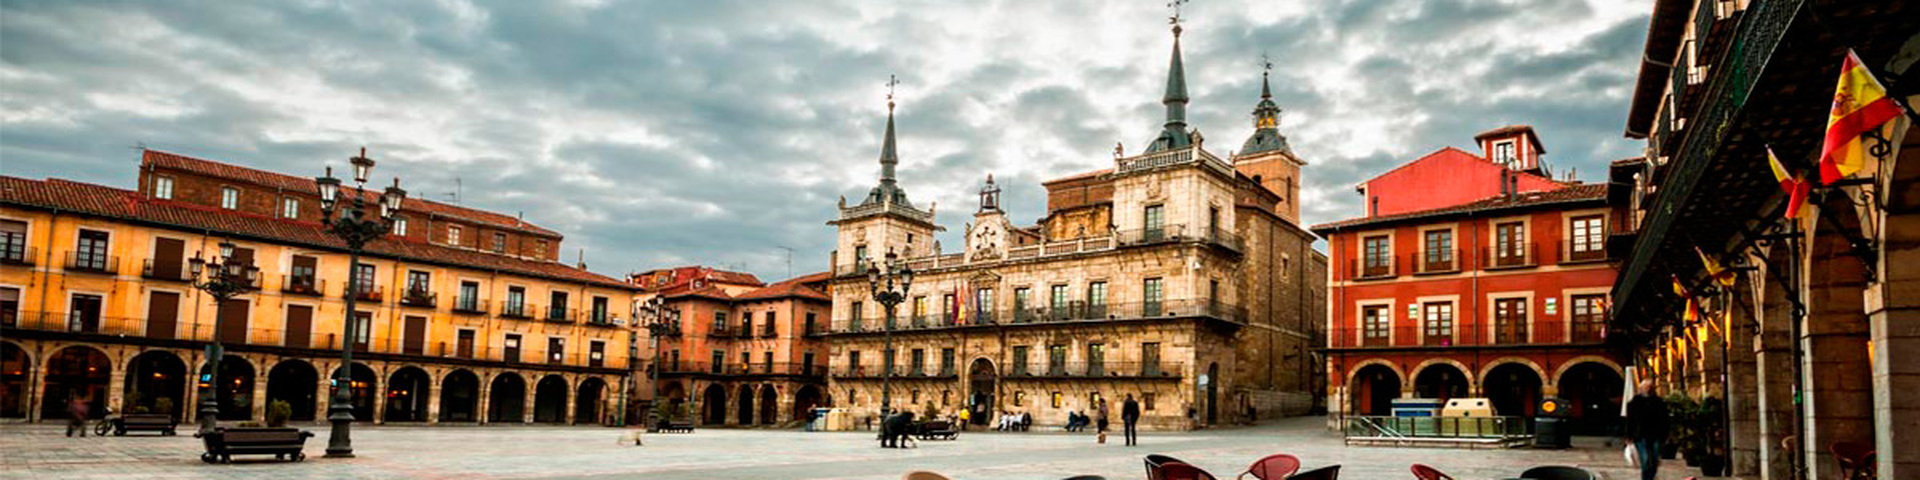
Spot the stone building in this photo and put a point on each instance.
(748, 353)
(465, 316)
(1177, 277)
(1805, 325)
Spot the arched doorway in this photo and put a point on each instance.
(769, 404)
(982, 380)
(1593, 391)
(407, 391)
(76, 371)
(1513, 389)
(1373, 390)
(507, 398)
(156, 383)
(294, 382)
(1212, 390)
(361, 381)
(1441, 381)
(714, 403)
(14, 366)
(746, 405)
(550, 400)
(586, 400)
(460, 396)
(804, 401)
(233, 391)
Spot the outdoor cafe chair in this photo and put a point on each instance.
(1330, 472)
(1272, 467)
(923, 475)
(1424, 472)
(1085, 477)
(1557, 473)
(1855, 459)
(1154, 461)
(1183, 471)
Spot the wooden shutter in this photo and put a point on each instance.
(167, 256)
(233, 319)
(416, 335)
(163, 314)
(299, 326)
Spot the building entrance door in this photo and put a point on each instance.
(982, 381)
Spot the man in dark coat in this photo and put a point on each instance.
(1130, 415)
(893, 428)
(1646, 427)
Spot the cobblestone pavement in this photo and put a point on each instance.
(495, 452)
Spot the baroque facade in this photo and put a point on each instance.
(1176, 277)
(464, 315)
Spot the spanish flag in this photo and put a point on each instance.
(1860, 104)
(1714, 271)
(1795, 186)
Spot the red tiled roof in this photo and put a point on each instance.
(708, 291)
(681, 279)
(302, 184)
(1584, 192)
(795, 287)
(104, 201)
(1081, 175)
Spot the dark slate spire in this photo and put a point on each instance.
(888, 190)
(1266, 123)
(1173, 134)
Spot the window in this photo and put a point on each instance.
(163, 187)
(363, 275)
(719, 321)
(983, 306)
(1020, 360)
(1213, 221)
(289, 207)
(1058, 302)
(809, 323)
(1510, 320)
(400, 226)
(1146, 401)
(1375, 324)
(229, 198)
(1503, 154)
(920, 308)
(557, 306)
(860, 255)
(1154, 223)
(419, 283)
(363, 330)
(600, 311)
(516, 301)
(946, 361)
(746, 323)
(453, 235)
(950, 308)
(303, 273)
(1588, 241)
(556, 349)
(1150, 359)
(719, 361)
(540, 248)
(853, 362)
(888, 358)
(1438, 255)
(1057, 399)
(596, 353)
(1096, 359)
(917, 360)
(1019, 399)
(13, 241)
(914, 397)
(1056, 359)
(766, 361)
(463, 346)
(806, 363)
(1150, 297)
(1376, 256)
(1022, 300)
(511, 351)
(469, 297)
(91, 252)
(853, 316)
(499, 242)
(1509, 244)
(1438, 325)
(1589, 316)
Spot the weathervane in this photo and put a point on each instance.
(891, 82)
(1265, 63)
(1175, 19)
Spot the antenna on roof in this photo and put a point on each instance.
(454, 196)
(582, 259)
(789, 259)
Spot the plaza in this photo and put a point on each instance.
(39, 451)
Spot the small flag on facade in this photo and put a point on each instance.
(1860, 105)
(1692, 312)
(1714, 271)
(1795, 185)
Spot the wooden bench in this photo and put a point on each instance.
(145, 422)
(940, 429)
(283, 443)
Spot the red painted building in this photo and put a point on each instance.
(1480, 276)
(748, 353)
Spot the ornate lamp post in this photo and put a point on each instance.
(222, 278)
(355, 227)
(889, 282)
(661, 321)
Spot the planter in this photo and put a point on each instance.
(1669, 451)
(1693, 458)
(1713, 465)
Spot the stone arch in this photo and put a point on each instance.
(75, 370)
(1528, 362)
(1560, 372)
(587, 398)
(713, 402)
(1373, 393)
(744, 400)
(550, 399)
(154, 375)
(769, 405)
(1593, 390)
(296, 382)
(459, 396)
(983, 377)
(1430, 379)
(1517, 392)
(1354, 369)
(805, 399)
(407, 390)
(16, 363)
(506, 397)
(361, 381)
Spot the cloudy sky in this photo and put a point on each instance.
(722, 132)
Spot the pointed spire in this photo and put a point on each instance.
(1266, 119)
(888, 157)
(1173, 133)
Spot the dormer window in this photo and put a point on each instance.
(453, 235)
(400, 226)
(1503, 154)
(162, 187)
(229, 198)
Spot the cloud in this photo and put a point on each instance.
(719, 133)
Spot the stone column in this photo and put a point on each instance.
(259, 402)
(117, 384)
(486, 397)
(322, 392)
(566, 406)
(1893, 310)
(1837, 381)
(433, 399)
(527, 408)
(379, 397)
(1743, 395)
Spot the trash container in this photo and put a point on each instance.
(1550, 428)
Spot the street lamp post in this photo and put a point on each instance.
(222, 278)
(661, 322)
(355, 227)
(889, 282)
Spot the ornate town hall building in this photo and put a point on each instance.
(1177, 276)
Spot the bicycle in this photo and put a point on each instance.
(107, 424)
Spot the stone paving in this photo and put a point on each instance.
(496, 452)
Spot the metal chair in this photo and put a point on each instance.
(1330, 472)
(1154, 461)
(1855, 459)
(1424, 472)
(1085, 477)
(1557, 473)
(1272, 467)
(1183, 471)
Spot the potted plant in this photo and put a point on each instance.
(163, 405)
(1679, 410)
(278, 411)
(1710, 428)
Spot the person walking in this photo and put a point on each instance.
(966, 416)
(77, 414)
(1130, 418)
(1100, 419)
(1646, 427)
